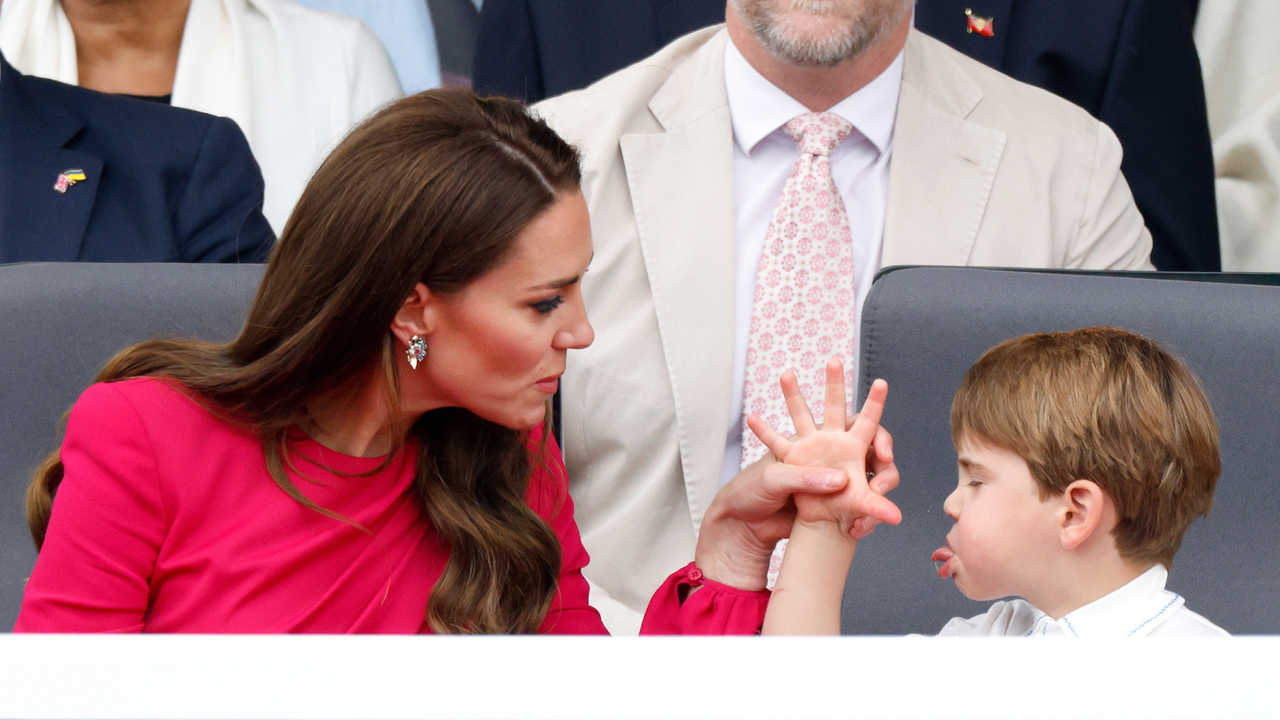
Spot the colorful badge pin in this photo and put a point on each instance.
(979, 24)
(67, 178)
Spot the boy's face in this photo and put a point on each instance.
(1004, 536)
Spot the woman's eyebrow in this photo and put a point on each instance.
(557, 284)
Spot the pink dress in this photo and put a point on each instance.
(168, 521)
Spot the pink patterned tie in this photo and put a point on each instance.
(802, 311)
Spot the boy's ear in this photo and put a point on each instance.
(1083, 507)
(416, 316)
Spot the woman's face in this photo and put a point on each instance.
(498, 347)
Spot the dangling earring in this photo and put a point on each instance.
(417, 350)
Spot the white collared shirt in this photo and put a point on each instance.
(763, 156)
(1142, 607)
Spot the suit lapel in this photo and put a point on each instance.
(681, 183)
(940, 161)
(37, 221)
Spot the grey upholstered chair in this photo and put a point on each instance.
(59, 324)
(923, 327)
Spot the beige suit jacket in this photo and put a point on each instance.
(985, 171)
(1240, 58)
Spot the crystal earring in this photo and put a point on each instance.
(417, 350)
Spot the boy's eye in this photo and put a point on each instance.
(974, 483)
(546, 306)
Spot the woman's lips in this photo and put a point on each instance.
(942, 557)
(548, 385)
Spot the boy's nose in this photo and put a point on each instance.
(952, 505)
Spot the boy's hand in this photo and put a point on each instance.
(857, 508)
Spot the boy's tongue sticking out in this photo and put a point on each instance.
(942, 558)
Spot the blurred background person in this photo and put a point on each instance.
(457, 24)
(404, 27)
(1132, 64)
(89, 176)
(535, 49)
(431, 42)
(1239, 44)
(294, 80)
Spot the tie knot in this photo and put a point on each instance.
(818, 133)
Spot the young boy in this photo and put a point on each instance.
(1083, 457)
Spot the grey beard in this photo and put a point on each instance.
(826, 52)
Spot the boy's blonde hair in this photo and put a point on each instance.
(1105, 405)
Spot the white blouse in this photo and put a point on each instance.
(294, 80)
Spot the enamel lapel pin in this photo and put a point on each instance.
(67, 178)
(979, 24)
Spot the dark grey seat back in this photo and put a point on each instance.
(923, 327)
(59, 324)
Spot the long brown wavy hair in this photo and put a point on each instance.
(432, 189)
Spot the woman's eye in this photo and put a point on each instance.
(548, 305)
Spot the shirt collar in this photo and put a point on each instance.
(757, 107)
(1131, 611)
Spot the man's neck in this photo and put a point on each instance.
(128, 46)
(818, 88)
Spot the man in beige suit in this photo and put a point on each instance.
(950, 163)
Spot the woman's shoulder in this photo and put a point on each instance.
(118, 392)
(342, 51)
(151, 389)
(156, 402)
(326, 31)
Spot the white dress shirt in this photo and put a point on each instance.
(763, 156)
(1141, 608)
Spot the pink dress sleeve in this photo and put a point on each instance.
(107, 524)
(715, 609)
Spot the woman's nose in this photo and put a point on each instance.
(578, 333)
(583, 335)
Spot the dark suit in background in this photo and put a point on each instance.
(1133, 65)
(535, 49)
(161, 183)
(456, 24)
(1130, 63)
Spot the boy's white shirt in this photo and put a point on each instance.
(1142, 607)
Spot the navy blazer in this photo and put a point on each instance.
(161, 183)
(1133, 65)
(535, 49)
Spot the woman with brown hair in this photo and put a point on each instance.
(392, 380)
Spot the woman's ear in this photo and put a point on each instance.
(416, 315)
(1083, 508)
